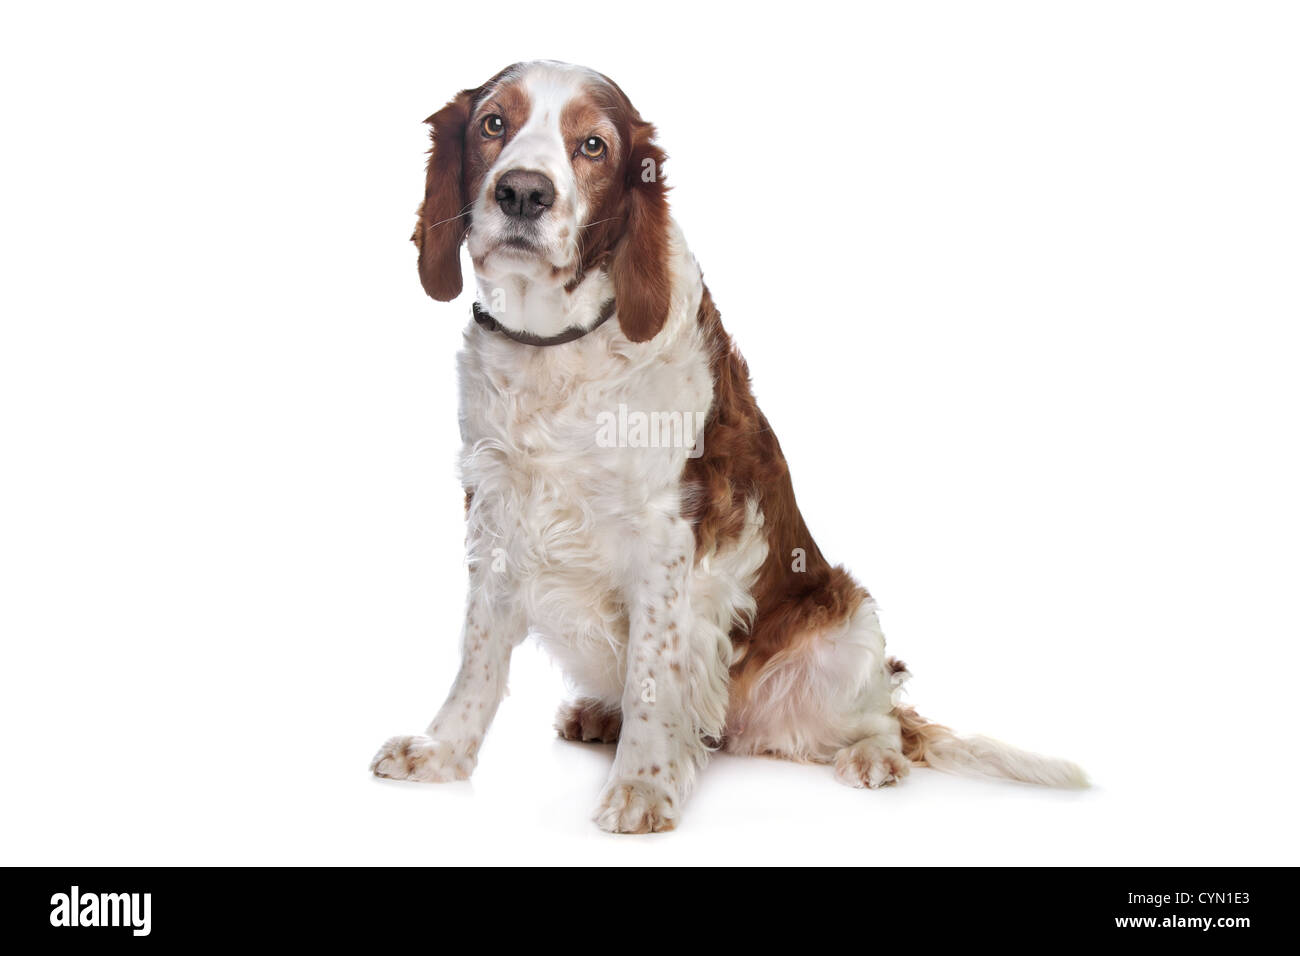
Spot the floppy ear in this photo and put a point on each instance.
(639, 265)
(444, 214)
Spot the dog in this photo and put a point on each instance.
(625, 499)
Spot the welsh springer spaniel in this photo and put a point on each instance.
(625, 498)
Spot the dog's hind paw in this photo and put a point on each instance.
(868, 764)
(590, 720)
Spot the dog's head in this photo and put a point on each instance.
(549, 172)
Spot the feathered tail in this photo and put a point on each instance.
(934, 745)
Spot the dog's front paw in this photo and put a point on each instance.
(634, 806)
(867, 764)
(424, 759)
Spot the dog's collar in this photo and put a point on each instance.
(484, 319)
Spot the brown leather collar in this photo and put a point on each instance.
(527, 338)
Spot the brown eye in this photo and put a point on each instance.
(593, 147)
(493, 126)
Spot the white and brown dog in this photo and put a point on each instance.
(668, 571)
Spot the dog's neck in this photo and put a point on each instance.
(528, 306)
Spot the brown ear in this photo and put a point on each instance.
(639, 266)
(444, 214)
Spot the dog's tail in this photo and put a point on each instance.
(934, 745)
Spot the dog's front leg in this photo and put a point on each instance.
(674, 695)
(448, 749)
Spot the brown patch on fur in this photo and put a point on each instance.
(505, 96)
(592, 114)
(918, 733)
(742, 459)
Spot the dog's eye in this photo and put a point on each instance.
(493, 126)
(593, 147)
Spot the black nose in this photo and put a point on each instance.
(523, 194)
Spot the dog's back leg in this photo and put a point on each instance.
(823, 698)
(831, 696)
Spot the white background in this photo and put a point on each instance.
(1018, 285)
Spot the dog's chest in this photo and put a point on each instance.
(563, 479)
